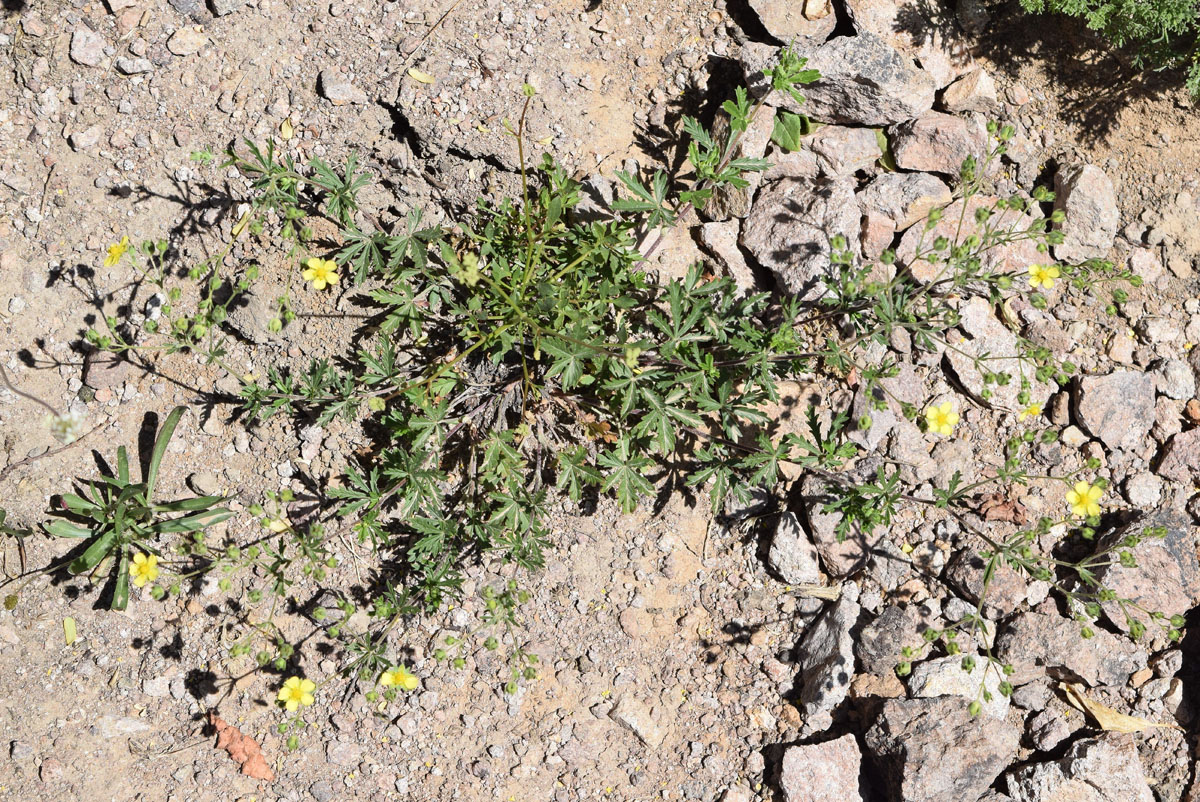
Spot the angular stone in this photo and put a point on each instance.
(87, 47)
(974, 91)
(827, 658)
(792, 555)
(987, 337)
(87, 138)
(1180, 460)
(790, 226)
(223, 7)
(840, 557)
(938, 143)
(823, 772)
(945, 676)
(1037, 644)
(880, 643)
(102, 369)
(721, 240)
(864, 81)
(842, 151)
(934, 750)
(1085, 194)
(796, 22)
(917, 29)
(640, 719)
(1174, 379)
(1006, 589)
(1118, 408)
(1167, 576)
(1101, 769)
(186, 41)
(337, 89)
(903, 198)
(134, 66)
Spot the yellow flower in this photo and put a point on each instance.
(115, 252)
(321, 272)
(1043, 275)
(144, 569)
(1084, 498)
(296, 692)
(1031, 411)
(399, 677)
(942, 419)
(278, 525)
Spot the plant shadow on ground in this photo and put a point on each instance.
(1098, 81)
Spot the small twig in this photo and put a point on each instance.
(8, 469)
(411, 56)
(42, 207)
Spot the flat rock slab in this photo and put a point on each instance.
(864, 81)
(824, 772)
(1103, 769)
(1118, 408)
(1039, 644)
(934, 750)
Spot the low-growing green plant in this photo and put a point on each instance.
(122, 522)
(1161, 34)
(525, 351)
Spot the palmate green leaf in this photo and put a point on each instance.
(569, 364)
(650, 201)
(575, 472)
(625, 463)
(364, 252)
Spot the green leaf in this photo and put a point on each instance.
(886, 160)
(789, 130)
(96, 552)
(625, 475)
(120, 599)
(61, 528)
(160, 448)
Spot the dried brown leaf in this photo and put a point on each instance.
(1105, 716)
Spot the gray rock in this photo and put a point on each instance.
(205, 483)
(789, 229)
(186, 41)
(879, 644)
(918, 30)
(1143, 490)
(1102, 769)
(988, 337)
(1048, 729)
(337, 88)
(251, 311)
(864, 81)
(1118, 408)
(192, 8)
(102, 369)
(1085, 194)
(1038, 644)
(1174, 379)
(86, 139)
(87, 47)
(903, 198)
(822, 772)
(974, 91)
(792, 555)
(1006, 588)
(1167, 575)
(223, 7)
(637, 716)
(797, 22)
(945, 676)
(826, 658)
(914, 738)
(1180, 461)
(938, 143)
(842, 151)
(840, 557)
(113, 727)
(1007, 258)
(134, 66)
(721, 240)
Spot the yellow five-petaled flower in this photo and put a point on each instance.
(321, 272)
(115, 252)
(399, 677)
(1043, 276)
(1084, 499)
(942, 418)
(144, 569)
(296, 692)
(1031, 411)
